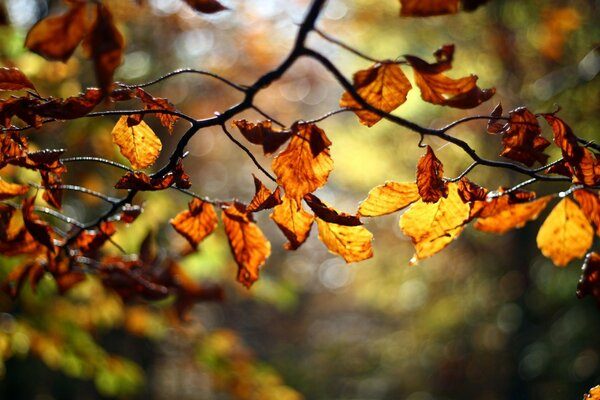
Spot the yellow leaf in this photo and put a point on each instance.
(305, 164)
(293, 221)
(353, 243)
(432, 226)
(565, 234)
(388, 198)
(249, 246)
(8, 190)
(384, 86)
(196, 223)
(137, 142)
(499, 216)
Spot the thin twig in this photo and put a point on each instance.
(60, 216)
(79, 189)
(463, 174)
(345, 46)
(241, 88)
(96, 159)
(267, 116)
(325, 116)
(144, 112)
(467, 119)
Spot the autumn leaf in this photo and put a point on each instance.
(589, 283)
(353, 243)
(40, 230)
(262, 133)
(305, 164)
(495, 124)
(500, 215)
(329, 214)
(141, 181)
(565, 234)
(249, 246)
(196, 223)
(129, 213)
(70, 108)
(9, 190)
(14, 79)
(590, 205)
(137, 142)
(52, 193)
(388, 198)
(430, 178)
(383, 86)
(293, 221)
(426, 8)
(56, 37)
(522, 138)
(206, 6)
(90, 240)
(263, 198)
(157, 103)
(432, 226)
(470, 192)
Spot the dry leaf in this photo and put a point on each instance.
(14, 79)
(263, 198)
(353, 243)
(293, 221)
(262, 133)
(196, 223)
(426, 8)
(590, 205)
(137, 143)
(499, 215)
(388, 198)
(430, 178)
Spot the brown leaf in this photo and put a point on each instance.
(293, 221)
(263, 198)
(388, 198)
(56, 37)
(522, 138)
(565, 234)
(500, 215)
(432, 226)
(262, 133)
(14, 79)
(329, 214)
(22, 107)
(589, 283)
(383, 86)
(206, 6)
(141, 181)
(305, 164)
(469, 191)
(426, 8)
(129, 213)
(430, 178)
(157, 103)
(40, 230)
(249, 246)
(590, 205)
(9, 190)
(137, 142)
(353, 243)
(52, 193)
(71, 107)
(90, 240)
(583, 165)
(196, 223)
(496, 125)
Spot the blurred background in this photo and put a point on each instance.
(488, 318)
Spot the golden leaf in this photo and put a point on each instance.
(293, 221)
(388, 198)
(432, 226)
(305, 164)
(249, 246)
(8, 190)
(196, 223)
(565, 234)
(590, 205)
(498, 215)
(138, 143)
(384, 86)
(353, 243)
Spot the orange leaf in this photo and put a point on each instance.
(206, 6)
(249, 246)
(137, 142)
(565, 234)
(384, 86)
(594, 394)
(353, 243)
(196, 223)
(425, 8)
(329, 214)
(56, 38)
(72, 107)
(305, 164)
(589, 283)
(499, 215)
(40, 230)
(90, 240)
(14, 79)
(293, 221)
(469, 191)
(521, 139)
(52, 193)
(157, 103)
(590, 205)
(430, 178)
(263, 198)
(432, 226)
(388, 198)
(263, 134)
(9, 190)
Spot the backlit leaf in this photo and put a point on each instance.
(521, 138)
(262, 133)
(589, 283)
(196, 223)
(206, 6)
(90, 240)
(565, 234)
(137, 142)
(353, 243)
(157, 103)
(590, 205)
(14, 79)
(305, 164)
(56, 37)
(293, 221)
(329, 214)
(388, 198)
(249, 246)
(432, 226)
(594, 394)
(430, 178)
(425, 8)
(40, 230)
(500, 215)
(141, 181)
(71, 107)
(263, 199)
(9, 190)
(469, 191)
(383, 85)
